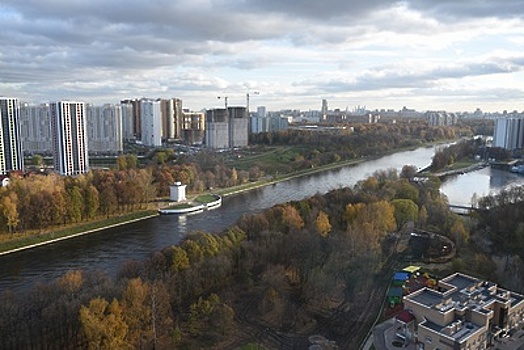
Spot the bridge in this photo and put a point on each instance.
(461, 209)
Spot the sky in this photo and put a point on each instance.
(453, 55)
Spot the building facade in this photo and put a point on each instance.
(217, 129)
(151, 122)
(441, 118)
(35, 129)
(70, 145)
(104, 127)
(172, 119)
(238, 127)
(193, 127)
(464, 312)
(128, 130)
(509, 132)
(11, 156)
(227, 128)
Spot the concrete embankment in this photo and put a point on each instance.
(54, 240)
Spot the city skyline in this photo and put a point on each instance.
(455, 56)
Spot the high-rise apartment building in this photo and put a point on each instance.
(193, 127)
(132, 127)
(11, 157)
(128, 130)
(509, 132)
(68, 123)
(104, 129)
(217, 129)
(35, 129)
(172, 118)
(151, 122)
(227, 128)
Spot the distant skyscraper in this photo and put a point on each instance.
(227, 128)
(151, 122)
(172, 119)
(104, 125)
(324, 110)
(128, 130)
(35, 129)
(509, 132)
(193, 127)
(11, 157)
(68, 123)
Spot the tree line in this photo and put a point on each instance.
(286, 268)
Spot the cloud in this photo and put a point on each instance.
(411, 75)
(293, 50)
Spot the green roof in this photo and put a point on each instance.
(411, 268)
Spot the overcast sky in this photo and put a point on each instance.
(454, 55)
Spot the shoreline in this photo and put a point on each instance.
(74, 235)
(224, 193)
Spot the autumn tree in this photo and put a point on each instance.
(103, 325)
(322, 224)
(9, 209)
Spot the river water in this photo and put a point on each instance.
(109, 249)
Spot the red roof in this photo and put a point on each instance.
(405, 316)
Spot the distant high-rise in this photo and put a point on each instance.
(104, 125)
(151, 122)
(35, 129)
(128, 130)
(11, 157)
(509, 132)
(324, 109)
(68, 123)
(172, 118)
(227, 128)
(193, 127)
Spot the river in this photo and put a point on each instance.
(109, 249)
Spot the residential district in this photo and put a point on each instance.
(72, 131)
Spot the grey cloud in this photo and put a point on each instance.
(454, 9)
(391, 78)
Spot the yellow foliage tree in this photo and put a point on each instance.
(103, 325)
(322, 224)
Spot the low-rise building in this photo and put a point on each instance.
(463, 312)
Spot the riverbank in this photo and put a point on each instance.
(36, 240)
(33, 241)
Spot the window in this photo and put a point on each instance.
(429, 340)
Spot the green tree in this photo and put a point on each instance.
(91, 202)
(405, 211)
(75, 204)
(180, 259)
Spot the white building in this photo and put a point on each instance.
(35, 129)
(11, 157)
(104, 125)
(151, 122)
(68, 124)
(509, 132)
(177, 192)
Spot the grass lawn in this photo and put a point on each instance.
(181, 206)
(205, 198)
